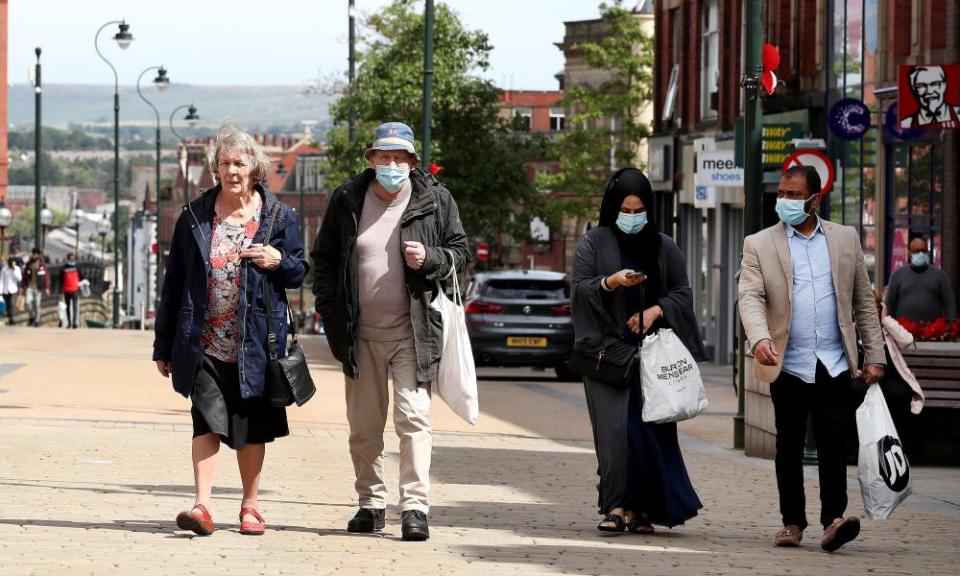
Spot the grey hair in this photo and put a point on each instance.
(236, 141)
(916, 70)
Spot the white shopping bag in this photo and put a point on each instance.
(457, 375)
(884, 470)
(670, 380)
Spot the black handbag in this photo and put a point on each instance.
(615, 364)
(288, 378)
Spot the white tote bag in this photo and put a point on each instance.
(457, 376)
(884, 471)
(670, 380)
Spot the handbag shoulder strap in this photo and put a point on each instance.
(268, 293)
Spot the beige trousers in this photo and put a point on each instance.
(367, 402)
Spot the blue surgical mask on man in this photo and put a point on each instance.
(792, 212)
(919, 259)
(631, 223)
(393, 177)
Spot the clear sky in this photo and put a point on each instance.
(262, 42)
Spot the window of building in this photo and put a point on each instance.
(671, 98)
(557, 119)
(709, 61)
(309, 174)
(523, 118)
(671, 103)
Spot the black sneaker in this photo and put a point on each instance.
(367, 520)
(414, 524)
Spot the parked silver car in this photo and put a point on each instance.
(520, 318)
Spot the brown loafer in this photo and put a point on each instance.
(197, 520)
(789, 537)
(839, 533)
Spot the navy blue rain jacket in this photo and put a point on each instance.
(183, 303)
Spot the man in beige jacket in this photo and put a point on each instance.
(804, 291)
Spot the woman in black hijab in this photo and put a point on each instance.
(629, 280)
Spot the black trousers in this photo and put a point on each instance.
(73, 302)
(8, 300)
(827, 400)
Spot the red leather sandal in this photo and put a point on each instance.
(252, 528)
(198, 522)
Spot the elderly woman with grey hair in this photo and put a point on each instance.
(223, 274)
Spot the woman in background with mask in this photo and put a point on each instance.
(629, 280)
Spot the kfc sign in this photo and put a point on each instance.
(928, 97)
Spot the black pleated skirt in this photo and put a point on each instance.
(219, 408)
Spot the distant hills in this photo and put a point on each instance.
(253, 108)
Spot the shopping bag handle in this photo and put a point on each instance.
(457, 297)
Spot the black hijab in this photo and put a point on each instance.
(643, 248)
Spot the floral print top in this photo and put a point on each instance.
(221, 327)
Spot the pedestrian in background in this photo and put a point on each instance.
(211, 329)
(10, 278)
(36, 284)
(919, 291)
(804, 295)
(390, 235)
(620, 265)
(900, 387)
(70, 278)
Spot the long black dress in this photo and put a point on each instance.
(658, 486)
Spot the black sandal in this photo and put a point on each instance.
(638, 525)
(619, 523)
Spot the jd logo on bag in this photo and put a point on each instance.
(893, 463)
(883, 468)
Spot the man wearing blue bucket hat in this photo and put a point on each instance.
(388, 238)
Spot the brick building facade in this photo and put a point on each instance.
(534, 112)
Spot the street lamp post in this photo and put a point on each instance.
(123, 39)
(46, 219)
(192, 119)
(6, 219)
(427, 80)
(103, 228)
(38, 91)
(752, 172)
(76, 217)
(161, 82)
(351, 15)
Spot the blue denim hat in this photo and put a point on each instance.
(393, 136)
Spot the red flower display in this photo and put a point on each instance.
(937, 331)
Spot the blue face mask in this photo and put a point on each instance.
(631, 223)
(919, 259)
(792, 212)
(392, 178)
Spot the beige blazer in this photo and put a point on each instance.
(766, 294)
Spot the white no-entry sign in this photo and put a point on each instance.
(818, 160)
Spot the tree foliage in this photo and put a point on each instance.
(603, 125)
(56, 139)
(481, 158)
(81, 172)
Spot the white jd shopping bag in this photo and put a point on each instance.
(457, 376)
(670, 380)
(884, 470)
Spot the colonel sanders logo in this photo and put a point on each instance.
(929, 97)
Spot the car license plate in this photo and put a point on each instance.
(526, 342)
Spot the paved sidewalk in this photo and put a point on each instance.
(96, 464)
